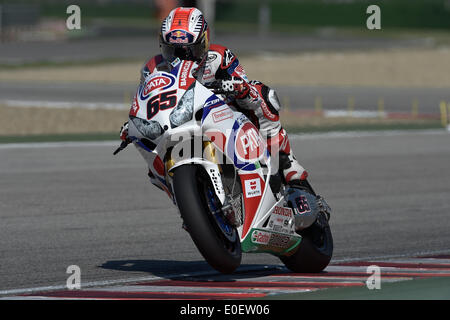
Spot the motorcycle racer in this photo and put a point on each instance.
(185, 35)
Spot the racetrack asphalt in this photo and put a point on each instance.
(293, 97)
(76, 204)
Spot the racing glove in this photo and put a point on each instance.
(124, 132)
(124, 137)
(234, 86)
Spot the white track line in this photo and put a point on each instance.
(85, 285)
(394, 256)
(305, 136)
(64, 104)
(361, 134)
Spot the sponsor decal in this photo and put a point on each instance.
(211, 57)
(278, 240)
(282, 211)
(277, 227)
(242, 119)
(253, 94)
(227, 58)
(233, 66)
(260, 237)
(269, 115)
(175, 62)
(135, 106)
(221, 115)
(281, 220)
(241, 72)
(252, 188)
(212, 102)
(249, 143)
(302, 205)
(179, 36)
(184, 82)
(155, 82)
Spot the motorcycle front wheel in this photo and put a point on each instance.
(217, 241)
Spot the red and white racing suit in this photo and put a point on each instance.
(258, 102)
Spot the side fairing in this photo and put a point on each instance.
(238, 138)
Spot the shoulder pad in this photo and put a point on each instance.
(227, 56)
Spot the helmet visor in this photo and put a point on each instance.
(192, 52)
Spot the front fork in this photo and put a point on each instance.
(209, 162)
(231, 208)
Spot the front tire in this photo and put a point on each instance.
(221, 250)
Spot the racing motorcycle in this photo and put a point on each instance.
(214, 165)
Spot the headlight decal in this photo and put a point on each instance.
(149, 129)
(183, 112)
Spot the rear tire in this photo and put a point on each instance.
(315, 249)
(222, 251)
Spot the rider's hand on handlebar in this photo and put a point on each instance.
(235, 86)
(124, 137)
(124, 132)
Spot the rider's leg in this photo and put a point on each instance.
(265, 105)
(292, 170)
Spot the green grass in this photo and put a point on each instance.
(430, 14)
(423, 14)
(417, 289)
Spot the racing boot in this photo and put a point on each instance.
(293, 172)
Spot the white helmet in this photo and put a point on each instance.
(185, 35)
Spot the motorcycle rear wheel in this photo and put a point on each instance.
(222, 251)
(315, 249)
